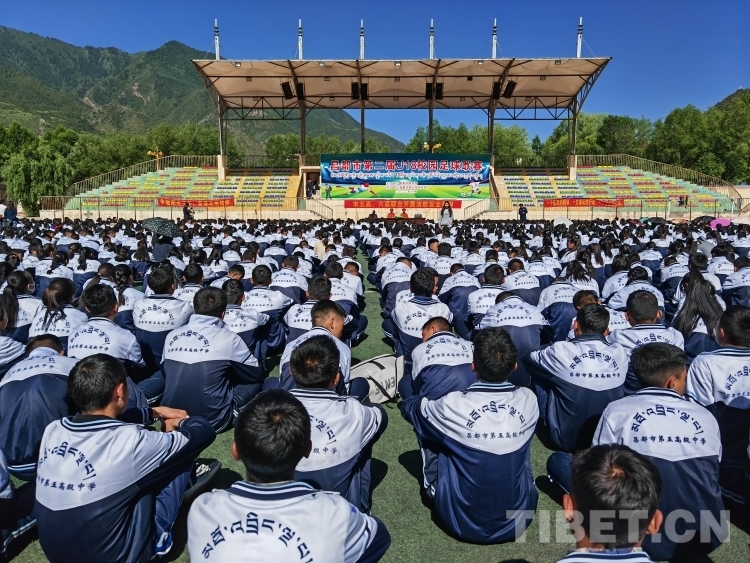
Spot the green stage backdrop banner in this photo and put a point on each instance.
(403, 176)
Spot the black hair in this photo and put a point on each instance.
(85, 255)
(291, 261)
(440, 323)
(593, 319)
(93, 380)
(642, 306)
(616, 479)
(141, 253)
(422, 282)
(44, 341)
(495, 355)
(334, 270)
(235, 290)
(585, 297)
(237, 269)
(494, 275)
(654, 362)
(59, 292)
(210, 301)
(698, 261)
(272, 435)
(122, 274)
(161, 279)
(59, 259)
(324, 309)
(315, 362)
(638, 273)
(736, 325)
(319, 288)
(700, 304)
(192, 273)
(261, 275)
(742, 262)
(98, 299)
(18, 283)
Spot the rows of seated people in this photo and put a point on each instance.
(500, 325)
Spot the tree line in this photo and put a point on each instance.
(715, 142)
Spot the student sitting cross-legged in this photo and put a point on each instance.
(680, 437)
(576, 380)
(343, 429)
(209, 369)
(612, 505)
(108, 489)
(480, 472)
(270, 516)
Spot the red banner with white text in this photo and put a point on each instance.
(583, 202)
(398, 204)
(169, 202)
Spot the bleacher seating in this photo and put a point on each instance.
(532, 185)
(250, 189)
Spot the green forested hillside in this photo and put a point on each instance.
(45, 82)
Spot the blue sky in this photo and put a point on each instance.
(666, 53)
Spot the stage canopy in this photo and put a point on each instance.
(544, 88)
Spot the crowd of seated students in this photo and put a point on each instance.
(620, 345)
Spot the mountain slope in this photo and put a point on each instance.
(46, 82)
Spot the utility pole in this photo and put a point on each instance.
(432, 56)
(299, 40)
(580, 38)
(494, 40)
(216, 38)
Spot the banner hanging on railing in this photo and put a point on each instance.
(583, 202)
(405, 176)
(399, 204)
(208, 203)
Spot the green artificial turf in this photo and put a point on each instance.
(396, 466)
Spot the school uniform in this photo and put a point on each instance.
(33, 394)
(575, 381)
(636, 336)
(16, 508)
(28, 309)
(61, 324)
(477, 435)
(154, 317)
(108, 490)
(284, 523)
(480, 300)
(286, 381)
(719, 381)
(441, 365)
(408, 319)
(210, 371)
(343, 433)
(682, 439)
(556, 304)
(187, 292)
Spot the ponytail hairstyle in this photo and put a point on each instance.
(122, 276)
(576, 271)
(59, 292)
(141, 254)
(14, 261)
(104, 272)
(60, 259)
(86, 255)
(122, 255)
(215, 256)
(48, 250)
(19, 283)
(73, 249)
(198, 257)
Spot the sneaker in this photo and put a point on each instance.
(202, 476)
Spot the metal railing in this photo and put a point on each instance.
(477, 208)
(172, 161)
(717, 184)
(94, 207)
(530, 161)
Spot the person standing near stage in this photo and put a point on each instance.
(445, 217)
(522, 212)
(187, 211)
